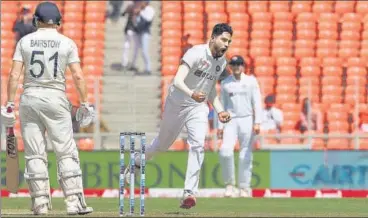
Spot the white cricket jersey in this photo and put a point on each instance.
(242, 98)
(272, 119)
(204, 72)
(45, 54)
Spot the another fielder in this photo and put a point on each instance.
(241, 97)
(45, 56)
(185, 105)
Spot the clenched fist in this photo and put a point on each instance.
(224, 116)
(199, 96)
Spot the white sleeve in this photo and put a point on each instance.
(18, 52)
(73, 54)
(148, 14)
(190, 57)
(278, 116)
(224, 101)
(257, 102)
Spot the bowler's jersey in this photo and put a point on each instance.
(203, 74)
(242, 97)
(45, 55)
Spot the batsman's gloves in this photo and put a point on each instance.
(8, 115)
(85, 115)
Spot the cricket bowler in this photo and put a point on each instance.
(44, 107)
(241, 97)
(193, 84)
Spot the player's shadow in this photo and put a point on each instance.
(180, 213)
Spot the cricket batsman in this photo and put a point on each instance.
(44, 107)
(193, 84)
(241, 97)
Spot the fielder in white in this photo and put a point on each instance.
(44, 107)
(185, 105)
(241, 97)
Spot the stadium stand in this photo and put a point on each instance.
(296, 48)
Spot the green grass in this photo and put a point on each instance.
(207, 207)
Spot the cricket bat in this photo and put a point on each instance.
(12, 161)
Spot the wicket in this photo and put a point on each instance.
(132, 165)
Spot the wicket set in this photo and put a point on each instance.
(132, 136)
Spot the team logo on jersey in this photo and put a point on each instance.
(204, 64)
(202, 74)
(218, 68)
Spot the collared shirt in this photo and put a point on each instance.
(242, 97)
(46, 54)
(204, 72)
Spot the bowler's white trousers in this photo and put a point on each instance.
(238, 128)
(195, 119)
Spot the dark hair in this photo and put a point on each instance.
(220, 28)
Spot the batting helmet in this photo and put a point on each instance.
(47, 12)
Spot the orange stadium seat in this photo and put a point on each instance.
(283, 17)
(329, 17)
(94, 17)
(264, 61)
(356, 62)
(72, 17)
(331, 89)
(279, 6)
(306, 90)
(257, 6)
(342, 7)
(95, 26)
(356, 80)
(338, 126)
(281, 99)
(236, 6)
(304, 52)
(237, 51)
(282, 34)
(171, 6)
(282, 43)
(95, 6)
(214, 6)
(286, 70)
(331, 61)
(9, 7)
(95, 34)
(285, 89)
(353, 99)
(72, 26)
(168, 42)
(328, 34)
(322, 7)
(286, 80)
(283, 25)
(266, 80)
(261, 16)
(168, 33)
(286, 61)
(94, 43)
(310, 80)
(281, 52)
(349, 35)
(261, 25)
(267, 89)
(363, 142)
(73, 6)
(264, 71)
(323, 25)
(331, 80)
(303, 43)
(309, 61)
(353, 90)
(326, 52)
(331, 98)
(193, 6)
(306, 25)
(356, 71)
(301, 6)
(292, 107)
(310, 71)
(258, 51)
(306, 17)
(242, 17)
(338, 144)
(361, 7)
